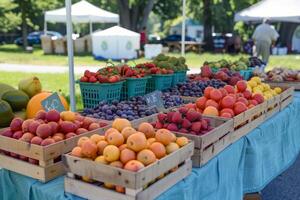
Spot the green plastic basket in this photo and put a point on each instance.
(159, 82)
(246, 74)
(214, 69)
(178, 77)
(134, 87)
(93, 93)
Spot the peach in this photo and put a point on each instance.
(210, 110)
(47, 142)
(61, 135)
(227, 110)
(146, 157)
(147, 129)
(134, 165)
(96, 138)
(207, 91)
(86, 122)
(41, 114)
(36, 140)
(68, 116)
(117, 164)
(136, 142)
(211, 102)
(77, 151)
(25, 125)
(227, 102)
(241, 85)
(79, 117)
(67, 127)
(26, 137)
(127, 131)
(258, 97)
(115, 138)
(101, 159)
(120, 189)
(165, 136)
(111, 153)
(16, 124)
(33, 126)
(215, 94)
(239, 107)
(127, 155)
(54, 127)
(17, 135)
(150, 141)
(44, 131)
(101, 145)
(226, 115)
(182, 141)
(93, 126)
(69, 135)
(110, 130)
(77, 124)
(223, 91)
(158, 149)
(123, 146)
(52, 116)
(120, 124)
(7, 132)
(229, 89)
(200, 103)
(89, 149)
(57, 138)
(172, 147)
(243, 100)
(81, 131)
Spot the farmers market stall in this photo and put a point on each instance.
(248, 165)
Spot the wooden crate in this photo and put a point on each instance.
(284, 84)
(93, 192)
(286, 97)
(188, 99)
(206, 146)
(47, 169)
(273, 106)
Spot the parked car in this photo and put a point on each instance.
(175, 38)
(35, 37)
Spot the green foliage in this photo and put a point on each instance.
(167, 9)
(9, 21)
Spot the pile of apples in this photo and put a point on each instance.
(256, 86)
(185, 120)
(122, 146)
(48, 128)
(228, 101)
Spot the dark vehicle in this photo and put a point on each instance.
(175, 38)
(35, 37)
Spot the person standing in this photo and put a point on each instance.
(143, 39)
(264, 36)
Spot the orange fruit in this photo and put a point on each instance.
(147, 129)
(81, 140)
(111, 153)
(109, 185)
(127, 155)
(165, 136)
(77, 151)
(210, 110)
(181, 141)
(134, 165)
(101, 159)
(68, 116)
(150, 141)
(96, 138)
(115, 138)
(127, 131)
(101, 145)
(120, 189)
(136, 142)
(146, 157)
(110, 130)
(123, 146)
(117, 164)
(89, 149)
(158, 149)
(170, 148)
(120, 124)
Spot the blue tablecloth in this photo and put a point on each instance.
(245, 166)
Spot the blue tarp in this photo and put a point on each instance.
(245, 166)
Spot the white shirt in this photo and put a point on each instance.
(266, 33)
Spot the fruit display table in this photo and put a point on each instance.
(245, 166)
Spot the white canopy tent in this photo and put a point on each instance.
(115, 43)
(275, 10)
(82, 12)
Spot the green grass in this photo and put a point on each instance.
(15, 55)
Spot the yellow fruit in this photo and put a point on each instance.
(181, 141)
(278, 90)
(111, 153)
(252, 83)
(256, 79)
(101, 159)
(172, 147)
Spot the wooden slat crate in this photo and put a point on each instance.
(134, 182)
(294, 84)
(188, 99)
(47, 169)
(273, 106)
(286, 97)
(206, 146)
(93, 192)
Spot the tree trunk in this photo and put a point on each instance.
(124, 12)
(207, 20)
(286, 32)
(24, 25)
(148, 8)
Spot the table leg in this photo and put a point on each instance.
(253, 196)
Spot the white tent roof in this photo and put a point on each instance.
(82, 12)
(116, 31)
(275, 10)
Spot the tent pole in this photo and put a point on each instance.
(183, 29)
(70, 54)
(91, 28)
(45, 26)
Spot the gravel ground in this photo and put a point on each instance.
(286, 186)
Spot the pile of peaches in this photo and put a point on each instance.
(123, 146)
(48, 128)
(228, 101)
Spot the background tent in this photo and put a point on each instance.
(82, 12)
(275, 10)
(115, 43)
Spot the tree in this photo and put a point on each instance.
(134, 14)
(9, 21)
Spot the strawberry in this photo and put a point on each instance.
(87, 73)
(92, 79)
(84, 79)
